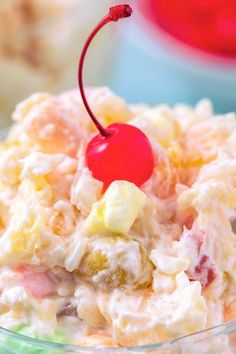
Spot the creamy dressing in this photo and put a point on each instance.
(130, 265)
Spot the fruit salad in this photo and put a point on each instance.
(122, 265)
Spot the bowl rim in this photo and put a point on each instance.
(197, 337)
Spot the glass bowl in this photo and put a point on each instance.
(220, 339)
(40, 45)
(217, 340)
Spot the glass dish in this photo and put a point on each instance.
(217, 340)
(220, 339)
(41, 53)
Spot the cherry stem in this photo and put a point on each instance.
(115, 13)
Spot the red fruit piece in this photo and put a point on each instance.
(203, 270)
(125, 155)
(39, 283)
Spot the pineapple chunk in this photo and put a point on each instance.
(118, 209)
(164, 124)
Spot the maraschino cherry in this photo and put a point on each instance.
(120, 151)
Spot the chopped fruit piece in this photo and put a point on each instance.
(112, 262)
(40, 284)
(118, 209)
(204, 271)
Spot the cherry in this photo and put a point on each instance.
(120, 151)
(125, 155)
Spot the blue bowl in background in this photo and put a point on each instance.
(154, 67)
